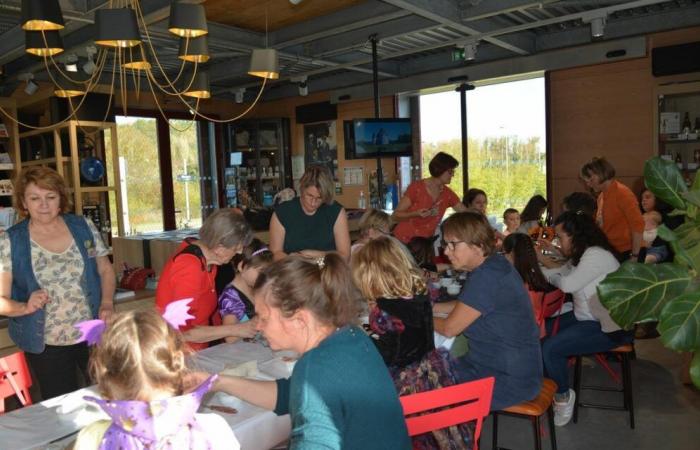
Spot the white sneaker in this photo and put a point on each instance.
(565, 410)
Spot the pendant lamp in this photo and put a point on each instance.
(117, 27)
(187, 20)
(41, 15)
(264, 63)
(135, 58)
(200, 86)
(35, 44)
(68, 89)
(196, 50)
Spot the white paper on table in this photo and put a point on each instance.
(443, 341)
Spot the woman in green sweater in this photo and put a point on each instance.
(340, 394)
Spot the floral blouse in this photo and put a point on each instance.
(60, 274)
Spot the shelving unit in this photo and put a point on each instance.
(10, 145)
(58, 147)
(679, 98)
(265, 160)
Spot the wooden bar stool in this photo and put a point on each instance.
(624, 353)
(532, 410)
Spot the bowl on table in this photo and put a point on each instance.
(454, 289)
(446, 281)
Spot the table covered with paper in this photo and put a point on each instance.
(53, 424)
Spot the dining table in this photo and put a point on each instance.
(54, 423)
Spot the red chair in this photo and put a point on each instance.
(454, 404)
(14, 379)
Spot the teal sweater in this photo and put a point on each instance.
(341, 396)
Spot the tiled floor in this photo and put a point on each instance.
(667, 413)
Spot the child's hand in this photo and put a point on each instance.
(246, 329)
(193, 379)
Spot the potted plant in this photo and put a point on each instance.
(669, 292)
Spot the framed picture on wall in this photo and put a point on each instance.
(320, 145)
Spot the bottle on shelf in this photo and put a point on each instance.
(686, 123)
(388, 201)
(697, 125)
(696, 156)
(362, 201)
(679, 160)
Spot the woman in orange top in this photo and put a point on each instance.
(421, 208)
(618, 213)
(191, 271)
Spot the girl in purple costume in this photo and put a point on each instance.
(235, 305)
(139, 367)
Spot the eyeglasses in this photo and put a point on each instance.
(450, 245)
(312, 198)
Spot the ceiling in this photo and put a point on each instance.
(328, 41)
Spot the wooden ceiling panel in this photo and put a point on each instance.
(250, 14)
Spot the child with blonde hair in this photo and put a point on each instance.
(139, 367)
(374, 223)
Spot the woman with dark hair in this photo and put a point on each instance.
(422, 206)
(618, 212)
(477, 200)
(532, 214)
(580, 201)
(589, 328)
(520, 251)
(493, 311)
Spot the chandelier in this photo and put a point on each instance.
(125, 46)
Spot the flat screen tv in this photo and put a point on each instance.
(382, 138)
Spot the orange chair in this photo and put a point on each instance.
(14, 379)
(449, 406)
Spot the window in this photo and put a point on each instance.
(506, 140)
(184, 158)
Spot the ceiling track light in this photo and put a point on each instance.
(598, 27)
(470, 51)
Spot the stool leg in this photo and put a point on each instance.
(552, 433)
(627, 387)
(577, 386)
(536, 429)
(494, 431)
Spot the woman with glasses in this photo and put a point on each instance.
(313, 223)
(494, 313)
(421, 208)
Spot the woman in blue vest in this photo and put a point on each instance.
(54, 272)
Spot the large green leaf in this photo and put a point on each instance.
(693, 197)
(688, 241)
(637, 292)
(679, 323)
(695, 369)
(665, 180)
(681, 255)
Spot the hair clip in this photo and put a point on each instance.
(176, 314)
(259, 251)
(579, 212)
(321, 262)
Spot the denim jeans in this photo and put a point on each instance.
(576, 338)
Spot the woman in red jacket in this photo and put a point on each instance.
(191, 271)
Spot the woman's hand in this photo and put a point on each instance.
(37, 300)
(106, 311)
(424, 212)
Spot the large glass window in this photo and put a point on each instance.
(141, 183)
(506, 139)
(184, 153)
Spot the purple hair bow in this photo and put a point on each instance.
(166, 424)
(176, 314)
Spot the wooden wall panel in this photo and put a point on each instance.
(606, 110)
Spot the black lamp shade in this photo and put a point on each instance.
(199, 87)
(117, 27)
(135, 58)
(194, 49)
(41, 15)
(187, 20)
(36, 45)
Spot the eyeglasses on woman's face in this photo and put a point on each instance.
(451, 245)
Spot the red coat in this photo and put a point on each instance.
(186, 275)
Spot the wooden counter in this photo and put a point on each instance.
(143, 299)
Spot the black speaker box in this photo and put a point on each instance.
(675, 59)
(316, 112)
(93, 108)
